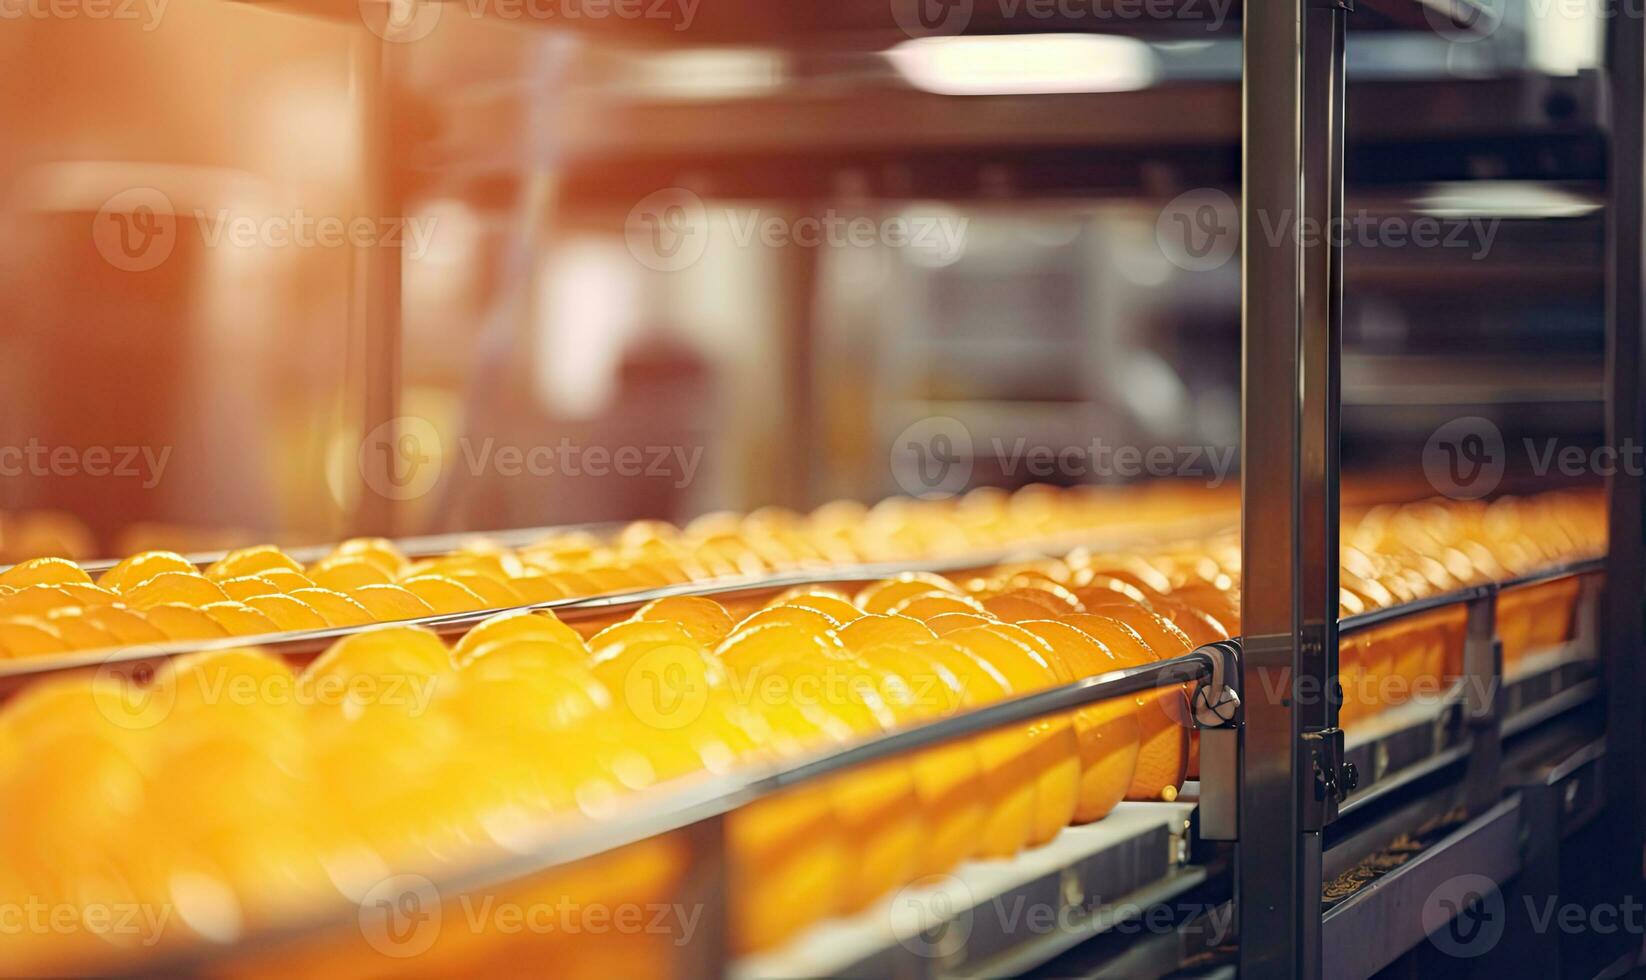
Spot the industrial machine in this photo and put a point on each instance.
(1377, 266)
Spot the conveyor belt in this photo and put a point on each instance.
(992, 918)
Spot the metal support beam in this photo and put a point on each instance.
(1292, 776)
(1321, 357)
(1626, 425)
(1483, 703)
(376, 311)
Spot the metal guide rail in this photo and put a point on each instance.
(1473, 593)
(699, 805)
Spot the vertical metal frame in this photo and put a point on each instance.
(1483, 702)
(1291, 753)
(377, 308)
(1622, 646)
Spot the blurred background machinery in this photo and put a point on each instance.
(1046, 180)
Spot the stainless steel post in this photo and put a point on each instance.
(1483, 703)
(1626, 426)
(378, 308)
(1291, 753)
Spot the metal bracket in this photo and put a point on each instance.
(1216, 700)
(1347, 6)
(1216, 707)
(1334, 779)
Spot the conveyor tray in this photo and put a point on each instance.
(1407, 742)
(992, 917)
(1546, 684)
